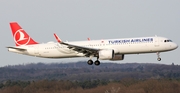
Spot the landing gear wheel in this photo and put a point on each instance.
(90, 62)
(159, 59)
(97, 62)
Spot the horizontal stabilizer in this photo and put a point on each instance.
(20, 49)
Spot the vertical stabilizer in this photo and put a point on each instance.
(20, 36)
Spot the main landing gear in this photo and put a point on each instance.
(158, 54)
(97, 62)
(90, 62)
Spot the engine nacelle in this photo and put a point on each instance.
(109, 54)
(118, 57)
(106, 54)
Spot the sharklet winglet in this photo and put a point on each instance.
(57, 38)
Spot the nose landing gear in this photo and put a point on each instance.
(159, 59)
(158, 54)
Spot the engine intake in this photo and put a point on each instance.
(106, 54)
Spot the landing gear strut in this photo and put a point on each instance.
(158, 54)
(97, 62)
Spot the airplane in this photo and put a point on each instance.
(106, 49)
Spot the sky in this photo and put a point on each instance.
(75, 20)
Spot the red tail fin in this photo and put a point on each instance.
(20, 36)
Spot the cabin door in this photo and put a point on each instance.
(156, 42)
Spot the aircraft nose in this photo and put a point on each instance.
(175, 46)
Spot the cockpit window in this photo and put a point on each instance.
(167, 40)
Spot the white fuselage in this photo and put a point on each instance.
(121, 46)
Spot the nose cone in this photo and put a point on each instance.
(174, 46)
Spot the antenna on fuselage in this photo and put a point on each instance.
(88, 39)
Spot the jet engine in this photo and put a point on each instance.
(106, 54)
(109, 54)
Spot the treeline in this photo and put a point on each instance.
(88, 84)
(81, 71)
(92, 86)
(82, 78)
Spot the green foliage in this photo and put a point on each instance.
(83, 72)
(82, 78)
(61, 86)
(91, 83)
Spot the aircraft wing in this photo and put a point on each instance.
(20, 49)
(85, 50)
